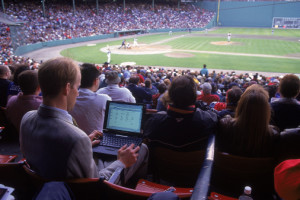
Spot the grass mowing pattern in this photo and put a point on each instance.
(257, 31)
(253, 46)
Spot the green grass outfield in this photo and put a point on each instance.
(256, 41)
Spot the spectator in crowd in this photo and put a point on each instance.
(140, 95)
(249, 133)
(232, 99)
(114, 91)
(163, 102)
(287, 179)
(286, 109)
(5, 84)
(89, 109)
(161, 90)
(206, 95)
(138, 73)
(62, 150)
(26, 100)
(149, 87)
(184, 127)
(126, 72)
(15, 88)
(204, 71)
(214, 91)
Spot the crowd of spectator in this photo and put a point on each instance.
(227, 104)
(61, 23)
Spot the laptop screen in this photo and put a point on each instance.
(125, 117)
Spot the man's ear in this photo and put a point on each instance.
(66, 89)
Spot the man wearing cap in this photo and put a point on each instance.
(89, 110)
(114, 91)
(287, 179)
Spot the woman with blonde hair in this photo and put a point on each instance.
(249, 133)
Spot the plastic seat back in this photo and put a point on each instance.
(232, 173)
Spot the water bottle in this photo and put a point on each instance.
(247, 194)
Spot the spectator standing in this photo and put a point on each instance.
(89, 110)
(126, 72)
(204, 71)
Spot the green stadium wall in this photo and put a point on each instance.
(252, 14)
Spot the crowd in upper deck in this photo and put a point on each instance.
(60, 22)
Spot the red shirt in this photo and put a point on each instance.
(208, 98)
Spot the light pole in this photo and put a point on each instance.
(73, 7)
(153, 5)
(43, 5)
(3, 8)
(97, 7)
(124, 6)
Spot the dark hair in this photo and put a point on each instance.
(182, 91)
(252, 119)
(89, 73)
(147, 82)
(289, 86)
(234, 95)
(28, 81)
(18, 70)
(162, 88)
(134, 79)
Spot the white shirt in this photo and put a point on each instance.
(117, 94)
(89, 110)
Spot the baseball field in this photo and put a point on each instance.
(250, 49)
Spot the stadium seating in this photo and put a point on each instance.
(174, 167)
(13, 175)
(232, 173)
(7, 158)
(82, 188)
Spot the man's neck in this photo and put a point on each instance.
(93, 88)
(56, 102)
(3, 77)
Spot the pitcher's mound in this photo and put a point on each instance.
(225, 43)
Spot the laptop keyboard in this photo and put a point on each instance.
(115, 141)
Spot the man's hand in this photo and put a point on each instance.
(128, 155)
(94, 137)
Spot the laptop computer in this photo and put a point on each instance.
(122, 125)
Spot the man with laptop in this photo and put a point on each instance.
(50, 140)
